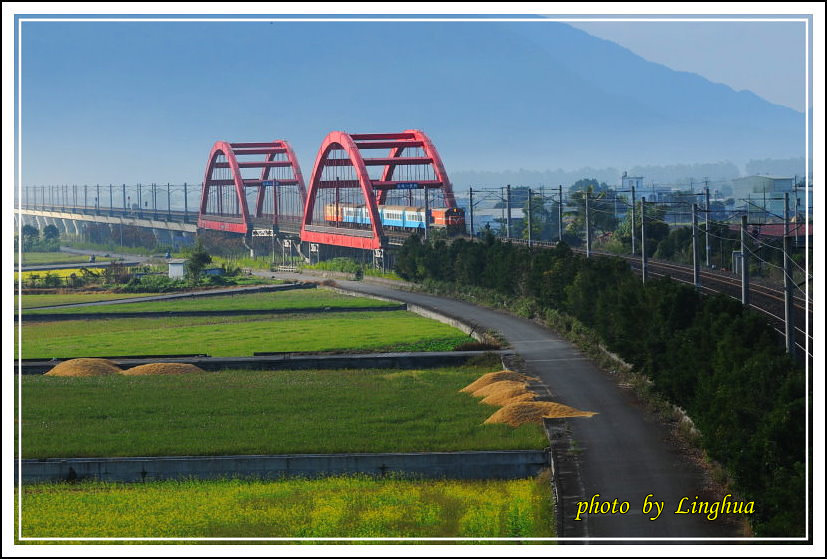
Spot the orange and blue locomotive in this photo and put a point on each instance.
(397, 217)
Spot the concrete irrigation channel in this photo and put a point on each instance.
(290, 361)
(489, 464)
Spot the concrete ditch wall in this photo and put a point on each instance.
(506, 464)
(407, 360)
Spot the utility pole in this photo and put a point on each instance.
(123, 199)
(797, 221)
(508, 211)
(186, 209)
(633, 219)
(744, 263)
(169, 211)
(560, 213)
(111, 203)
(97, 198)
(588, 229)
(529, 218)
(696, 276)
(85, 197)
(471, 208)
(789, 310)
(427, 214)
(643, 238)
(140, 203)
(706, 221)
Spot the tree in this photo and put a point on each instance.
(656, 228)
(197, 261)
(30, 232)
(592, 185)
(543, 221)
(601, 210)
(50, 232)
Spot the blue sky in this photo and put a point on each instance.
(141, 102)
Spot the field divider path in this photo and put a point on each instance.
(185, 295)
(49, 317)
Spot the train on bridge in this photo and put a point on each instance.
(366, 191)
(398, 218)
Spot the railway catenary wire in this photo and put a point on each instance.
(756, 289)
(765, 311)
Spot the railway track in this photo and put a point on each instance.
(763, 298)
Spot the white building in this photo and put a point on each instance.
(176, 268)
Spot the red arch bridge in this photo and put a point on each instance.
(366, 191)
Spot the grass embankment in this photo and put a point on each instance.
(300, 298)
(263, 412)
(237, 335)
(338, 507)
(350, 266)
(43, 258)
(46, 300)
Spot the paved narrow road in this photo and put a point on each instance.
(624, 454)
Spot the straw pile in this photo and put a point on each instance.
(84, 367)
(163, 369)
(491, 378)
(533, 412)
(509, 390)
(503, 392)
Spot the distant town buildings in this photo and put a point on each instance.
(627, 182)
(764, 193)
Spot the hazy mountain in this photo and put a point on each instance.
(543, 96)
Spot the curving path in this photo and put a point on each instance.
(625, 455)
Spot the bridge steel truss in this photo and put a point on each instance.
(345, 180)
(273, 197)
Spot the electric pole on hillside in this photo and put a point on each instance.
(643, 238)
(744, 263)
(508, 211)
(789, 310)
(633, 219)
(529, 218)
(560, 214)
(427, 214)
(706, 220)
(471, 208)
(588, 229)
(696, 276)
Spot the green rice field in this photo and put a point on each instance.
(237, 335)
(46, 300)
(263, 412)
(337, 507)
(299, 298)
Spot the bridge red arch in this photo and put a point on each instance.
(228, 209)
(374, 191)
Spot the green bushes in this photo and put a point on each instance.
(153, 284)
(707, 354)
